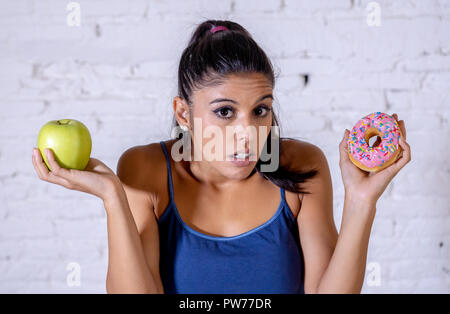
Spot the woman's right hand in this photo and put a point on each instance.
(96, 179)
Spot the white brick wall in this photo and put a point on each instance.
(117, 73)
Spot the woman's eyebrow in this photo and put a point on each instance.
(235, 102)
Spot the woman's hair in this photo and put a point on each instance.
(209, 58)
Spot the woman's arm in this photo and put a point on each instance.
(346, 269)
(133, 238)
(132, 227)
(336, 263)
(128, 271)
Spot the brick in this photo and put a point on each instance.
(409, 8)
(92, 8)
(82, 228)
(25, 228)
(437, 82)
(17, 8)
(433, 227)
(346, 81)
(425, 101)
(430, 268)
(296, 66)
(200, 9)
(304, 6)
(255, 6)
(426, 63)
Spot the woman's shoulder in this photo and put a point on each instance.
(142, 166)
(300, 155)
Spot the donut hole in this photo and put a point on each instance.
(372, 137)
(374, 141)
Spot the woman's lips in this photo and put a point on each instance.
(241, 160)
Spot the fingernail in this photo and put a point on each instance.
(46, 152)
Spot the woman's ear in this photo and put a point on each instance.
(181, 110)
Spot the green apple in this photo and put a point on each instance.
(69, 140)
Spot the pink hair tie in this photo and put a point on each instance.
(218, 29)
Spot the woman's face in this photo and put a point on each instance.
(233, 117)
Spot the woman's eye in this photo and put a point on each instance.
(262, 111)
(227, 112)
(224, 112)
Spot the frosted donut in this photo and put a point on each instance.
(376, 157)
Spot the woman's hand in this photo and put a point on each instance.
(366, 186)
(96, 179)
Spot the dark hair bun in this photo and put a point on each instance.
(203, 30)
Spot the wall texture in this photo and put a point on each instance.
(117, 73)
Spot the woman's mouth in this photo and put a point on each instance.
(241, 159)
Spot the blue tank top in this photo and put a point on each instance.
(266, 259)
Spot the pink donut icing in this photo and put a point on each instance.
(376, 156)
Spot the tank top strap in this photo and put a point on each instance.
(283, 196)
(169, 170)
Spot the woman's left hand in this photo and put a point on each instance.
(369, 186)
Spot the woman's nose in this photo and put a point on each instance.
(246, 134)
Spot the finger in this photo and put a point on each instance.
(41, 166)
(406, 149)
(400, 154)
(395, 116)
(96, 165)
(401, 124)
(56, 169)
(404, 158)
(36, 163)
(343, 146)
(43, 172)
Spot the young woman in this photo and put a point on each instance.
(225, 226)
